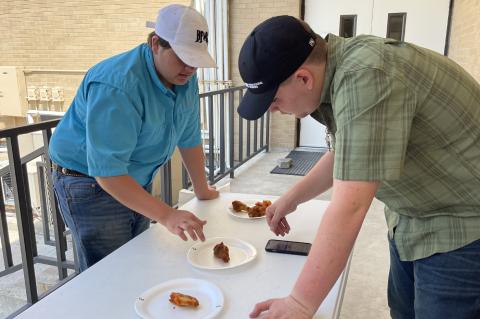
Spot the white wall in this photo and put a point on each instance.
(426, 23)
(426, 19)
(324, 15)
(426, 26)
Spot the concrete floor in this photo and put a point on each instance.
(365, 295)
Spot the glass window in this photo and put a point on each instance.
(348, 26)
(396, 25)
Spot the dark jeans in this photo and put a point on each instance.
(99, 223)
(442, 286)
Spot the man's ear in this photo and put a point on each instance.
(154, 45)
(304, 77)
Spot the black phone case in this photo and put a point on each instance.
(284, 251)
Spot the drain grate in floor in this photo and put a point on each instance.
(302, 163)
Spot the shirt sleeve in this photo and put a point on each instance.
(191, 136)
(113, 124)
(373, 115)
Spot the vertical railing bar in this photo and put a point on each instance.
(166, 177)
(255, 137)
(262, 128)
(222, 133)
(249, 129)
(43, 202)
(240, 130)
(58, 225)
(211, 150)
(268, 132)
(6, 247)
(28, 205)
(231, 137)
(184, 177)
(16, 175)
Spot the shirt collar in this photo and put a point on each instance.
(335, 48)
(154, 76)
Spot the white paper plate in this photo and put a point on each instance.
(154, 303)
(201, 255)
(242, 215)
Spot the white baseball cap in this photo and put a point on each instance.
(186, 31)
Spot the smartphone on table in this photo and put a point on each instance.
(288, 247)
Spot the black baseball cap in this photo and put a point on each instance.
(272, 52)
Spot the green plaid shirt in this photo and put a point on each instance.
(410, 118)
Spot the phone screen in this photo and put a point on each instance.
(288, 247)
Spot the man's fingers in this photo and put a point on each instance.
(191, 232)
(285, 225)
(180, 233)
(274, 222)
(195, 229)
(200, 234)
(260, 307)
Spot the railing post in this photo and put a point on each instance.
(22, 219)
(58, 225)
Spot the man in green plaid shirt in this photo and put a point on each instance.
(405, 128)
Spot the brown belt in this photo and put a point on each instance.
(66, 171)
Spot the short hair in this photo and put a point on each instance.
(319, 51)
(162, 42)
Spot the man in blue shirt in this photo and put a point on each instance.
(129, 114)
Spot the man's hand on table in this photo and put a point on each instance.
(180, 221)
(276, 213)
(207, 193)
(282, 308)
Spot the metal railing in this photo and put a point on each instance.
(225, 152)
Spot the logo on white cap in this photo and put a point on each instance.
(186, 31)
(202, 36)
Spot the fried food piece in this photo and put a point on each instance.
(182, 300)
(256, 211)
(221, 251)
(259, 209)
(264, 203)
(238, 206)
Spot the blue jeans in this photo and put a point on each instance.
(98, 222)
(442, 286)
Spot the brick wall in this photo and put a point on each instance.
(58, 35)
(69, 35)
(244, 16)
(465, 36)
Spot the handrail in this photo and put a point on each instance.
(28, 128)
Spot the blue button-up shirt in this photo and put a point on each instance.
(124, 121)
